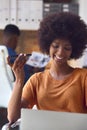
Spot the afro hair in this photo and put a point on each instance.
(64, 25)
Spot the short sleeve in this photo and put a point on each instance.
(29, 91)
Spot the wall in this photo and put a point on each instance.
(82, 8)
(28, 42)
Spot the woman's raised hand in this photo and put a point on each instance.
(18, 66)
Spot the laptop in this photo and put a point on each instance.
(50, 120)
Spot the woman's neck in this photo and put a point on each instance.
(60, 71)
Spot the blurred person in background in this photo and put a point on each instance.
(11, 35)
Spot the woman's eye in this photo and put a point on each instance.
(68, 48)
(55, 46)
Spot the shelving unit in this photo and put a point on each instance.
(49, 8)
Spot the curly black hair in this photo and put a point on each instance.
(64, 25)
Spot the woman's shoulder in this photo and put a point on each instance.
(40, 74)
(81, 71)
(38, 77)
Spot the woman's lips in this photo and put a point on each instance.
(59, 58)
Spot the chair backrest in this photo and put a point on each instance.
(50, 120)
(6, 77)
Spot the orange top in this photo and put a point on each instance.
(69, 94)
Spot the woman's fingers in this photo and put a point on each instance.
(20, 60)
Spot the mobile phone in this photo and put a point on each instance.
(13, 57)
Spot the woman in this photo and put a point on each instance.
(61, 88)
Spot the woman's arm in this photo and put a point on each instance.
(15, 104)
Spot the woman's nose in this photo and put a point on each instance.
(60, 51)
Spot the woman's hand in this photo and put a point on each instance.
(18, 67)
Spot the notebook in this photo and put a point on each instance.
(50, 120)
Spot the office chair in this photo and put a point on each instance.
(6, 77)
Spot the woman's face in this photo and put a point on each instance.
(60, 51)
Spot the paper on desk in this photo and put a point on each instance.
(38, 60)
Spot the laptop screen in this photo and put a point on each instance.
(50, 120)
